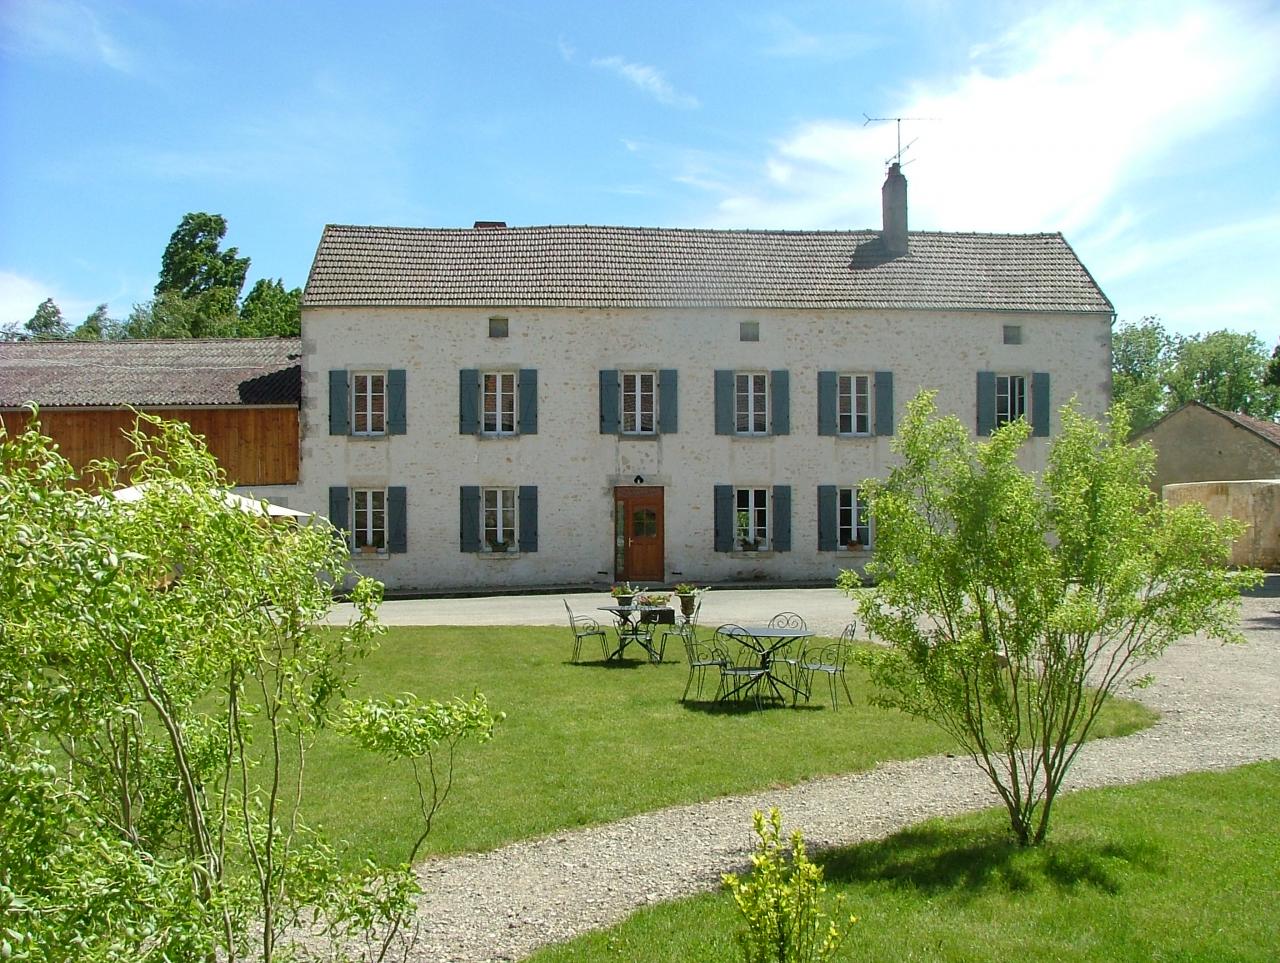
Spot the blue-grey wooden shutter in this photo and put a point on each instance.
(724, 404)
(723, 512)
(781, 518)
(884, 402)
(668, 402)
(528, 401)
(397, 522)
(528, 517)
(468, 401)
(828, 520)
(779, 403)
(395, 402)
(609, 424)
(469, 518)
(986, 402)
(1040, 404)
(340, 508)
(828, 424)
(339, 403)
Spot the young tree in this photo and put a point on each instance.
(160, 685)
(194, 266)
(269, 310)
(1140, 363)
(47, 323)
(1013, 607)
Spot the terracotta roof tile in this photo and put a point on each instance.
(678, 267)
(207, 371)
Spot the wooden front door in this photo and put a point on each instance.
(638, 534)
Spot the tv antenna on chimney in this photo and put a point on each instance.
(897, 157)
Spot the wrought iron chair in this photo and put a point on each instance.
(831, 660)
(701, 656)
(793, 655)
(682, 630)
(742, 670)
(584, 627)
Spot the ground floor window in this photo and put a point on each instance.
(498, 524)
(751, 506)
(369, 520)
(853, 526)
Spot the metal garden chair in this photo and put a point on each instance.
(831, 660)
(742, 670)
(793, 655)
(682, 631)
(701, 656)
(585, 627)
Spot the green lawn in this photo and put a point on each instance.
(589, 743)
(1184, 869)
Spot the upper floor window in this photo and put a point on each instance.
(368, 403)
(748, 330)
(853, 397)
(498, 327)
(498, 403)
(1011, 398)
(1013, 334)
(639, 402)
(750, 403)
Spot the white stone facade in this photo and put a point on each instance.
(576, 468)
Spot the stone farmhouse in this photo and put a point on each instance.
(501, 407)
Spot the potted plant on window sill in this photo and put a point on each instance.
(853, 545)
(746, 543)
(498, 547)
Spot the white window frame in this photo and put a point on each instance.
(498, 391)
(755, 503)
(853, 404)
(369, 521)
(751, 402)
(369, 403)
(852, 520)
(638, 403)
(498, 519)
(1011, 399)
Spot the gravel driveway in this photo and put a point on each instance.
(1220, 706)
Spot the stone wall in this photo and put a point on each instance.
(1255, 502)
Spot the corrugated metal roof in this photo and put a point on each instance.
(629, 267)
(205, 371)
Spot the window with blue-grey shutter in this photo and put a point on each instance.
(780, 402)
(610, 423)
(397, 520)
(340, 508)
(828, 403)
(827, 519)
(781, 540)
(724, 403)
(1041, 406)
(528, 413)
(528, 518)
(884, 402)
(725, 531)
(339, 403)
(469, 401)
(986, 402)
(396, 422)
(668, 401)
(469, 518)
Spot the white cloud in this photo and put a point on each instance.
(21, 295)
(787, 39)
(1046, 128)
(61, 28)
(648, 79)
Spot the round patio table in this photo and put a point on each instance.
(766, 640)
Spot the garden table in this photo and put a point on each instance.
(765, 640)
(637, 631)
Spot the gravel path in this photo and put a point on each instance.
(1220, 706)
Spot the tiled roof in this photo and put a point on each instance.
(206, 371)
(1267, 429)
(679, 267)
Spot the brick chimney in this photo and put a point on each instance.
(893, 198)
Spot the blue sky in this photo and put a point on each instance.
(1149, 134)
